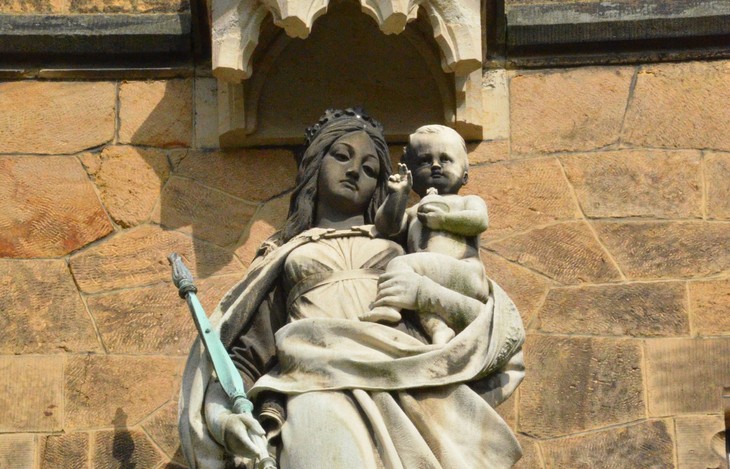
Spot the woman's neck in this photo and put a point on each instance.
(338, 221)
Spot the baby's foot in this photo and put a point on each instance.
(442, 335)
(381, 313)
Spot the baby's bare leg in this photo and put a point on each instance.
(436, 327)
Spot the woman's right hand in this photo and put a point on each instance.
(244, 436)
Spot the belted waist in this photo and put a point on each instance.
(323, 278)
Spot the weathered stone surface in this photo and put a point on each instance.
(267, 220)
(102, 6)
(578, 384)
(22, 406)
(526, 288)
(33, 6)
(17, 451)
(67, 451)
(567, 252)
(129, 180)
(488, 151)
(530, 454)
(55, 117)
(647, 445)
(495, 104)
(699, 442)
(521, 195)
(156, 113)
(680, 105)
(638, 309)
(573, 110)
(633, 183)
(102, 389)
(123, 448)
(686, 375)
(206, 213)
(139, 257)
(717, 175)
(153, 319)
(710, 306)
(206, 113)
(655, 249)
(163, 6)
(48, 207)
(254, 175)
(162, 428)
(42, 311)
(508, 411)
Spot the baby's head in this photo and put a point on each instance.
(436, 156)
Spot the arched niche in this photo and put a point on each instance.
(346, 60)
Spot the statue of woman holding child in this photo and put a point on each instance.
(333, 388)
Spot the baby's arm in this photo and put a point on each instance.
(391, 219)
(471, 220)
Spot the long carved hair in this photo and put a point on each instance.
(303, 203)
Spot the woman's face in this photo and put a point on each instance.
(349, 174)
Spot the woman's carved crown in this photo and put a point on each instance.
(332, 115)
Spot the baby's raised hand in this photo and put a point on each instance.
(402, 182)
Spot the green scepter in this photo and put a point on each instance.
(228, 375)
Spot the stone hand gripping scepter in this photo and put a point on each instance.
(228, 376)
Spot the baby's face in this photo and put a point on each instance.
(439, 161)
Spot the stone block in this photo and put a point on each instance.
(488, 151)
(680, 105)
(660, 249)
(630, 183)
(153, 320)
(42, 309)
(526, 288)
(33, 6)
(267, 220)
(129, 181)
(521, 195)
(102, 6)
(124, 448)
(686, 375)
(162, 428)
(567, 252)
(710, 306)
(156, 113)
(495, 105)
(571, 110)
(253, 175)
(577, 384)
(637, 309)
(67, 451)
(163, 6)
(701, 442)
(22, 406)
(717, 175)
(138, 257)
(206, 213)
(103, 390)
(531, 458)
(647, 445)
(55, 117)
(206, 113)
(50, 219)
(17, 451)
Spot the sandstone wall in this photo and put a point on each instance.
(610, 225)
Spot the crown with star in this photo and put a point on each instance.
(333, 115)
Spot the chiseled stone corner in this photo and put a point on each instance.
(570, 110)
(122, 448)
(42, 311)
(55, 117)
(206, 213)
(632, 183)
(129, 181)
(637, 309)
(138, 257)
(488, 151)
(23, 407)
(156, 113)
(577, 383)
(521, 195)
(664, 249)
(531, 458)
(680, 105)
(104, 390)
(645, 445)
(710, 307)
(206, 113)
(50, 219)
(701, 441)
(567, 252)
(17, 451)
(717, 175)
(495, 105)
(268, 219)
(686, 375)
(162, 428)
(67, 451)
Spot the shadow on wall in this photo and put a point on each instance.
(123, 443)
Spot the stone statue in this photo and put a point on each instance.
(329, 389)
